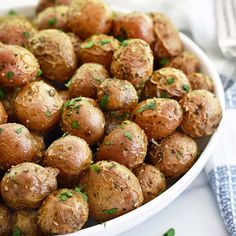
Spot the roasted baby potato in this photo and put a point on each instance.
(86, 80)
(89, 17)
(126, 144)
(16, 31)
(133, 61)
(167, 42)
(3, 114)
(40, 146)
(43, 4)
(151, 180)
(5, 220)
(175, 155)
(71, 155)
(64, 211)
(114, 94)
(135, 25)
(81, 118)
(112, 190)
(55, 54)
(27, 184)
(53, 18)
(16, 145)
(167, 83)
(200, 81)
(186, 61)
(202, 113)
(25, 223)
(38, 106)
(158, 117)
(18, 66)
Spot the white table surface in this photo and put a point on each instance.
(194, 212)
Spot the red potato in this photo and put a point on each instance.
(43, 4)
(3, 114)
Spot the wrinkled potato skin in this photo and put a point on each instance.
(160, 121)
(202, 113)
(57, 13)
(89, 17)
(127, 145)
(134, 25)
(167, 42)
(43, 4)
(89, 120)
(27, 222)
(3, 114)
(27, 184)
(61, 217)
(40, 145)
(18, 66)
(5, 220)
(175, 155)
(186, 61)
(151, 179)
(16, 31)
(122, 96)
(158, 84)
(133, 61)
(113, 186)
(55, 54)
(16, 147)
(87, 79)
(99, 52)
(200, 81)
(71, 155)
(76, 41)
(38, 106)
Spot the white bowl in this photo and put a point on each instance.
(135, 217)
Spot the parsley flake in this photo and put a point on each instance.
(124, 43)
(170, 232)
(104, 41)
(1, 129)
(2, 94)
(52, 21)
(75, 124)
(65, 195)
(164, 94)
(110, 211)
(128, 135)
(108, 142)
(16, 232)
(68, 83)
(10, 74)
(12, 13)
(163, 61)
(95, 168)
(79, 190)
(39, 73)
(88, 44)
(48, 113)
(19, 130)
(149, 106)
(103, 102)
(170, 81)
(186, 88)
(26, 34)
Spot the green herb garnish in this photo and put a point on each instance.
(26, 34)
(65, 195)
(52, 21)
(19, 130)
(170, 81)
(163, 61)
(75, 124)
(77, 108)
(16, 232)
(170, 232)
(178, 154)
(164, 94)
(68, 83)
(124, 43)
(89, 44)
(149, 106)
(48, 113)
(128, 135)
(110, 211)
(186, 88)
(104, 101)
(39, 73)
(10, 74)
(1, 129)
(2, 94)
(72, 102)
(109, 142)
(104, 41)
(95, 168)
(79, 190)
(12, 13)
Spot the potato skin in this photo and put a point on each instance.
(175, 155)
(89, 17)
(18, 66)
(151, 180)
(126, 144)
(53, 18)
(26, 221)
(76, 41)
(87, 79)
(3, 114)
(167, 82)
(186, 61)
(158, 117)
(40, 145)
(167, 42)
(58, 216)
(38, 106)
(120, 95)
(16, 145)
(43, 4)
(55, 54)
(71, 155)
(111, 188)
(134, 25)
(5, 220)
(133, 61)
(27, 184)
(16, 31)
(200, 81)
(82, 118)
(202, 113)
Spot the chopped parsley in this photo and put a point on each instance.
(110, 211)
(149, 106)
(72, 102)
(19, 130)
(52, 21)
(164, 94)
(1, 129)
(79, 190)
(170, 81)
(26, 34)
(104, 41)
(68, 84)
(178, 154)
(109, 142)
(39, 73)
(163, 61)
(12, 13)
(186, 88)
(95, 168)
(10, 74)
(170, 232)
(2, 94)
(48, 113)
(75, 124)
(124, 43)
(77, 108)
(88, 44)
(128, 135)
(65, 195)
(16, 232)
(51, 92)
(103, 102)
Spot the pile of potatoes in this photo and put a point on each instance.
(98, 112)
